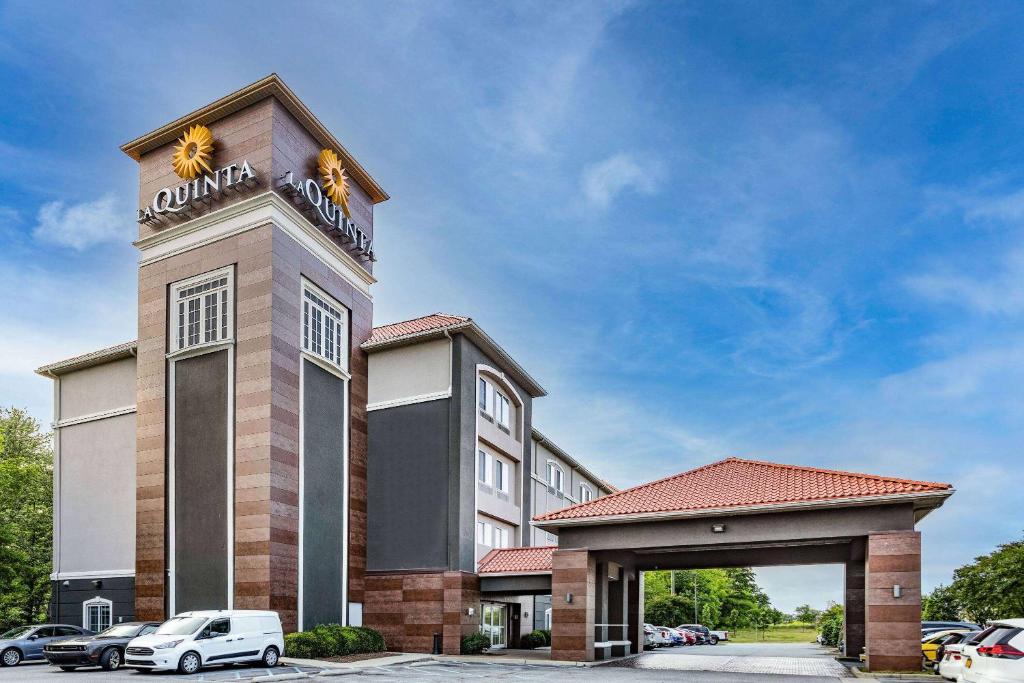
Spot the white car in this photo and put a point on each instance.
(952, 663)
(996, 655)
(192, 640)
(660, 640)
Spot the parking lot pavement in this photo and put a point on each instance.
(791, 659)
(34, 672)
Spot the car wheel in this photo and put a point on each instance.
(189, 663)
(713, 640)
(68, 668)
(10, 657)
(270, 657)
(111, 659)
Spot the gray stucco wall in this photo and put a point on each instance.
(408, 487)
(200, 482)
(462, 456)
(95, 491)
(109, 386)
(323, 462)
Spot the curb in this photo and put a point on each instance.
(874, 675)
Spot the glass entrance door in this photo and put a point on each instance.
(492, 623)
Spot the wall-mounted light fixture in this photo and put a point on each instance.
(718, 528)
(568, 598)
(66, 583)
(98, 583)
(470, 611)
(897, 590)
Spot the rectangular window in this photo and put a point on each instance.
(483, 469)
(501, 476)
(484, 534)
(324, 327)
(202, 310)
(500, 537)
(555, 476)
(482, 394)
(501, 406)
(486, 398)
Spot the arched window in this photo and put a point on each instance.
(97, 614)
(586, 495)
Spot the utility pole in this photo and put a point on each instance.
(695, 620)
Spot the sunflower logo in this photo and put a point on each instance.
(193, 153)
(335, 181)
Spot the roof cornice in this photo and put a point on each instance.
(475, 334)
(919, 499)
(86, 360)
(270, 86)
(548, 443)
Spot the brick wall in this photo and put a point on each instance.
(893, 627)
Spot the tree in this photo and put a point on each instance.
(806, 613)
(992, 587)
(668, 610)
(26, 518)
(725, 598)
(830, 625)
(942, 604)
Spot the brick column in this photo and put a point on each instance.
(853, 608)
(461, 591)
(635, 611)
(572, 623)
(893, 627)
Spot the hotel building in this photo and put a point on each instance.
(262, 445)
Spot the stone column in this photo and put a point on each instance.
(618, 606)
(635, 611)
(461, 592)
(893, 627)
(853, 608)
(573, 573)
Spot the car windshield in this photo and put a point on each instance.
(180, 626)
(121, 631)
(15, 633)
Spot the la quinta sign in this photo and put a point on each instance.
(183, 197)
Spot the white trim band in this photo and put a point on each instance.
(99, 574)
(92, 417)
(409, 400)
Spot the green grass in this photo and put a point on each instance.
(773, 635)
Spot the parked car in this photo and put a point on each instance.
(105, 649)
(931, 643)
(709, 636)
(996, 655)
(192, 640)
(671, 635)
(25, 643)
(649, 641)
(659, 638)
(690, 636)
(950, 625)
(951, 664)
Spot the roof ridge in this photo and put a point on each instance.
(462, 318)
(821, 470)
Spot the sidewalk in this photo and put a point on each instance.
(540, 657)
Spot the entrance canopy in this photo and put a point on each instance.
(738, 512)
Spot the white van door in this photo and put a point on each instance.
(248, 639)
(216, 642)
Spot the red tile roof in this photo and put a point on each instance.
(517, 560)
(428, 323)
(736, 483)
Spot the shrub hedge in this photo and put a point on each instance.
(546, 633)
(534, 639)
(332, 640)
(475, 643)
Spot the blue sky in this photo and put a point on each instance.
(786, 231)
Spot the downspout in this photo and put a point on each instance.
(55, 536)
(451, 403)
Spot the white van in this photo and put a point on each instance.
(192, 640)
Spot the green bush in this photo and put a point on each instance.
(547, 636)
(475, 643)
(533, 639)
(332, 640)
(830, 625)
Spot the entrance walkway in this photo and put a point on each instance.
(793, 659)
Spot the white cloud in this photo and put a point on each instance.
(1000, 291)
(83, 225)
(604, 181)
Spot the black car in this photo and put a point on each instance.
(105, 649)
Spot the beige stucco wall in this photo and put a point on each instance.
(409, 372)
(545, 499)
(95, 495)
(93, 390)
